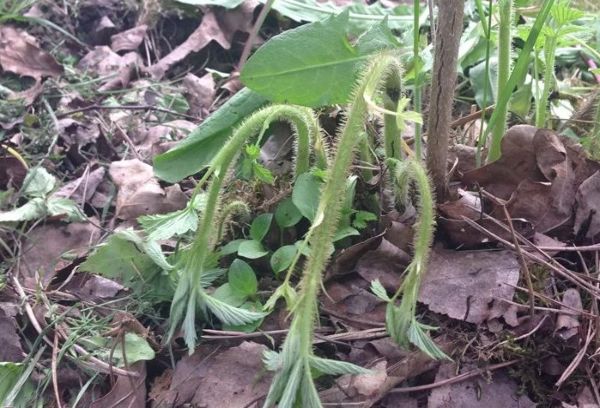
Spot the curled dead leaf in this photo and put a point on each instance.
(21, 54)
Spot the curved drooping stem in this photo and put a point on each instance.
(293, 383)
(189, 294)
(401, 320)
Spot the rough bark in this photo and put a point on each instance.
(448, 33)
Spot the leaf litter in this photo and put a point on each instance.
(475, 297)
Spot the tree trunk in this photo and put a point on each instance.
(447, 40)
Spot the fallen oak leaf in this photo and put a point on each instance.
(21, 54)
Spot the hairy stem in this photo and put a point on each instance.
(297, 348)
(189, 293)
(549, 58)
(504, 62)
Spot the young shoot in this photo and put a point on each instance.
(190, 295)
(401, 321)
(293, 382)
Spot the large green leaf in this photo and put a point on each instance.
(315, 64)
(195, 152)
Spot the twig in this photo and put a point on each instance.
(54, 370)
(454, 380)
(126, 107)
(575, 363)
(522, 261)
(254, 33)
(129, 142)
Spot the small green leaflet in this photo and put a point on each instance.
(287, 214)
(260, 226)
(282, 258)
(306, 195)
(228, 314)
(242, 279)
(334, 367)
(136, 349)
(379, 291)
(38, 182)
(251, 249)
(312, 65)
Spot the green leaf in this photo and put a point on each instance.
(66, 207)
(210, 275)
(306, 195)
(361, 218)
(344, 232)
(260, 226)
(360, 14)
(119, 258)
(150, 248)
(312, 65)
(165, 226)
(225, 293)
(228, 314)
(31, 210)
(196, 151)
(379, 291)
(251, 249)
(283, 257)
(242, 279)
(262, 173)
(136, 349)
(231, 247)
(38, 182)
(9, 375)
(287, 214)
(477, 78)
(248, 327)
(418, 337)
(334, 367)
(284, 291)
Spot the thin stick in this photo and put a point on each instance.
(54, 370)
(254, 33)
(522, 262)
(454, 380)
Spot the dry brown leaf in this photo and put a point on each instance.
(129, 40)
(44, 246)
(587, 215)
(12, 173)
(469, 285)
(200, 93)
(386, 263)
(232, 378)
(139, 192)
(216, 25)
(567, 325)
(21, 54)
(502, 392)
(9, 335)
(122, 395)
(82, 188)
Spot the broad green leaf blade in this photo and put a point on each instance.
(334, 367)
(66, 208)
(287, 214)
(226, 294)
(38, 182)
(119, 258)
(282, 258)
(248, 327)
(306, 195)
(312, 65)
(196, 151)
(165, 226)
(251, 249)
(260, 226)
(136, 349)
(360, 14)
(228, 314)
(242, 278)
(31, 210)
